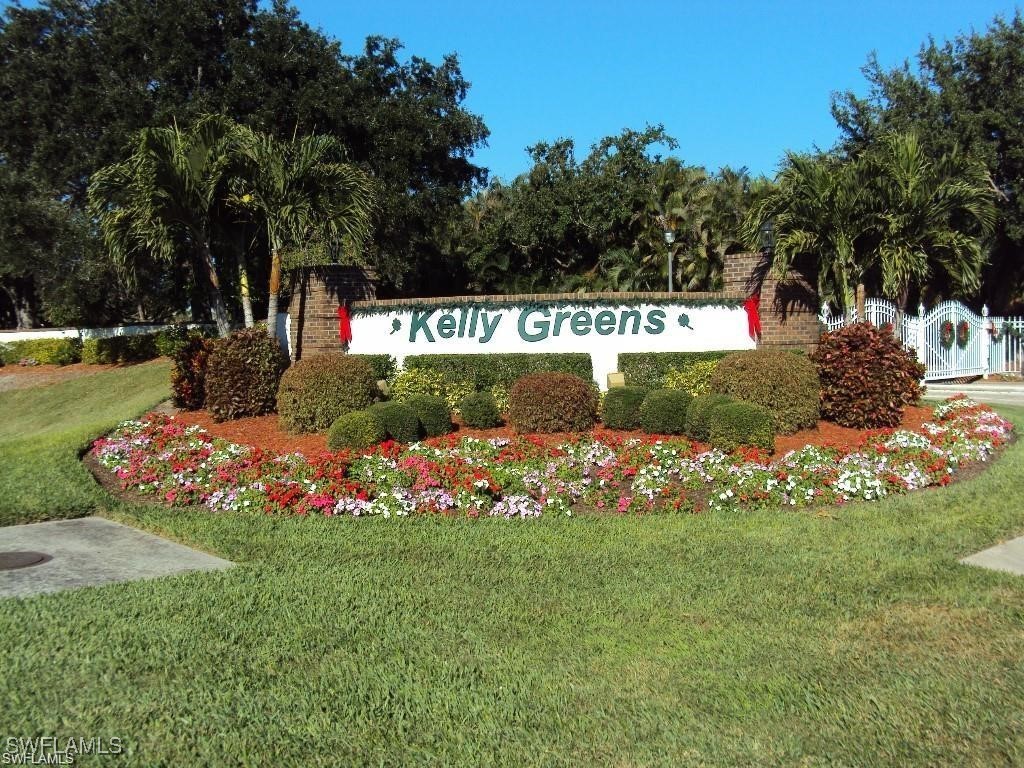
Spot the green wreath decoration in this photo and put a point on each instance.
(963, 334)
(947, 332)
(1006, 330)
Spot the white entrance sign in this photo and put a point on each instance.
(602, 330)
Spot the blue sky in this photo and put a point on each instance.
(736, 83)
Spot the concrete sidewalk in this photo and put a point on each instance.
(1008, 557)
(91, 551)
(990, 392)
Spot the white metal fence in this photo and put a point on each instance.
(950, 339)
(87, 333)
(1006, 350)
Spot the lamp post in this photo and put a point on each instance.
(670, 237)
(767, 231)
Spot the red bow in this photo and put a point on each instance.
(344, 325)
(753, 306)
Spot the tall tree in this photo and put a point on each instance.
(303, 193)
(819, 209)
(926, 217)
(404, 122)
(83, 76)
(963, 95)
(705, 213)
(554, 221)
(162, 199)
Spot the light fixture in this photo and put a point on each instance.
(768, 236)
(670, 237)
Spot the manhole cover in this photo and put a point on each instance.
(11, 560)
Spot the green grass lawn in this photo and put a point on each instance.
(772, 638)
(44, 429)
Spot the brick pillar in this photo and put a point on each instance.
(789, 306)
(317, 293)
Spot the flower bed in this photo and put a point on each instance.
(529, 476)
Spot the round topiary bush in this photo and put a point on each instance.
(432, 411)
(698, 415)
(738, 423)
(786, 383)
(552, 402)
(480, 410)
(621, 407)
(400, 421)
(867, 376)
(242, 374)
(356, 430)
(315, 391)
(663, 411)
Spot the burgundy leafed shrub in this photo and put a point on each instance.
(242, 375)
(867, 376)
(188, 377)
(552, 402)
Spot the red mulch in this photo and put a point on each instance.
(827, 434)
(263, 431)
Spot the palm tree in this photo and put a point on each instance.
(819, 208)
(675, 192)
(304, 195)
(705, 213)
(163, 196)
(627, 270)
(926, 214)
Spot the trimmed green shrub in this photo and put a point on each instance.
(500, 394)
(433, 413)
(384, 367)
(698, 415)
(663, 411)
(94, 353)
(415, 381)
(484, 372)
(140, 347)
(867, 376)
(316, 390)
(188, 376)
(110, 350)
(422, 381)
(784, 383)
(552, 402)
(649, 369)
(399, 420)
(621, 407)
(43, 351)
(738, 423)
(480, 410)
(694, 378)
(356, 430)
(242, 374)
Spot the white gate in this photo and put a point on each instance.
(953, 340)
(950, 339)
